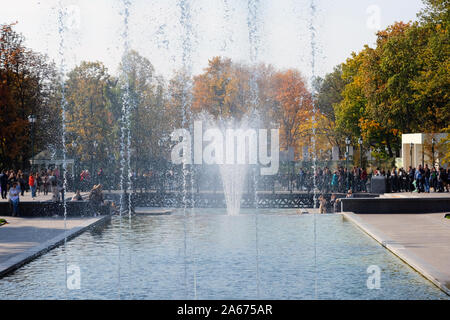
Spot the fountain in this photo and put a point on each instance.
(214, 253)
(233, 177)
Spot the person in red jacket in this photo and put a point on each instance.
(33, 184)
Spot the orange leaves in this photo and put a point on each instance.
(294, 106)
(25, 88)
(222, 90)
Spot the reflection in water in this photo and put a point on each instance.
(225, 263)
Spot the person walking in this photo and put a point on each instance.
(440, 180)
(40, 183)
(4, 184)
(364, 178)
(433, 179)
(61, 189)
(335, 182)
(32, 182)
(411, 179)
(46, 183)
(426, 176)
(22, 184)
(54, 185)
(419, 179)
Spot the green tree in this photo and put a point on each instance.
(328, 97)
(400, 86)
(89, 119)
(147, 101)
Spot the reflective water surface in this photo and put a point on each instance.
(211, 255)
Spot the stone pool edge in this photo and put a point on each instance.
(29, 255)
(419, 265)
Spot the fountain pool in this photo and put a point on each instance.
(154, 263)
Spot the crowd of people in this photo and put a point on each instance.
(421, 179)
(44, 181)
(14, 184)
(340, 180)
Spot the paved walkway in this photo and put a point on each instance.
(23, 239)
(421, 240)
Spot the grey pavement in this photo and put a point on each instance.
(421, 240)
(22, 239)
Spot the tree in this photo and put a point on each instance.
(294, 107)
(174, 103)
(329, 95)
(89, 119)
(400, 86)
(436, 11)
(28, 86)
(146, 98)
(352, 107)
(223, 90)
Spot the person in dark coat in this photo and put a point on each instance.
(4, 184)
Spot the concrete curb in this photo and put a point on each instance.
(421, 266)
(17, 261)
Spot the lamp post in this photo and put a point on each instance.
(360, 142)
(347, 150)
(411, 146)
(433, 142)
(32, 120)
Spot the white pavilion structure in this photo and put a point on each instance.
(417, 149)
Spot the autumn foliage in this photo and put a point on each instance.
(27, 87)
(224, 91)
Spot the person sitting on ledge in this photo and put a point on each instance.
(96, 198)
(349, 194)
(334, 203)
(77, 196)
(322, 204)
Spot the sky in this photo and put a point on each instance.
(94, 30)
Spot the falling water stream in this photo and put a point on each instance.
(312, 31)
(62, 69)
(125, 136)
(254, 40)
(188, 172)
